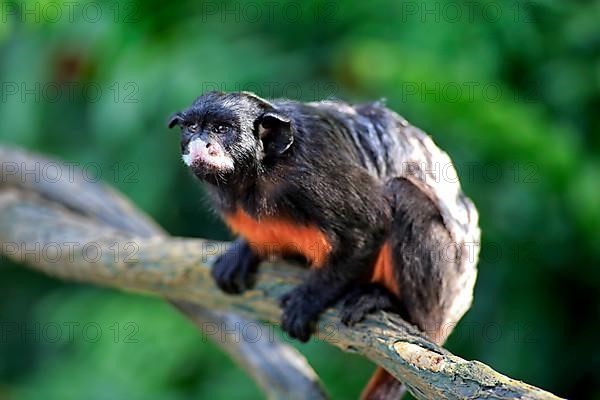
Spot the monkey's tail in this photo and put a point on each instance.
(383, 386)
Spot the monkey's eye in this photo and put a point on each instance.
(221, 129)
(193, 128)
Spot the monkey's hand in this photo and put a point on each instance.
(301, 309)
(235, 270)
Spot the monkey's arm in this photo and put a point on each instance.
(356, 219)
(234, 271)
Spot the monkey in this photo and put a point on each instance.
(368, 200)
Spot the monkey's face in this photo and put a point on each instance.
(226, 136)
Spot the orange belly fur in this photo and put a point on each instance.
(277, 236)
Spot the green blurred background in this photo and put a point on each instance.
(509, 89)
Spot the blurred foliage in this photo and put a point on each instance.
(509, 89)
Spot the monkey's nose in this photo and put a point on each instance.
(212, 151)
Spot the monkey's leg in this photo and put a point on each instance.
(303, 304)
(235, 270)
(424, 268)
(425, 259)
(366, 299)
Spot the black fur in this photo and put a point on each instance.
(334, 166)
(424, 258)
(234, 271)
(364, 300)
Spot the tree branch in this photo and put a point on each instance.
(179, 269)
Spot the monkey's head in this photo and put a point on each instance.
(227, 137)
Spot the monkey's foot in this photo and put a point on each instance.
(365, 300)
(235, 270)
(300, 314)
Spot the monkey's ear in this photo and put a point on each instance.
(275, 131)
(176, 119)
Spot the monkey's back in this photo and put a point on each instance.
(387, 146)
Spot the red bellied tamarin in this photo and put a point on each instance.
(366, 198)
